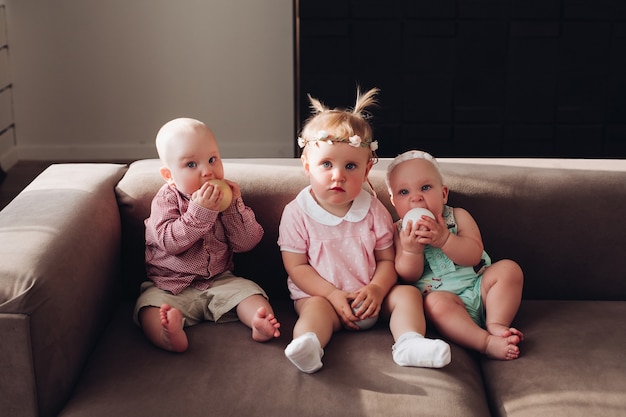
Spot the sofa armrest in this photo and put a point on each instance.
(59, 255)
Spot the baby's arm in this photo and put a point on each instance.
(384, 278)
(409, 259)
(173, 231)
(466, 247)
(242, 228)
(308, 280)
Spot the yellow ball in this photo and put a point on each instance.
(227, 193)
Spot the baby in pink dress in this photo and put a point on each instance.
(337, 246)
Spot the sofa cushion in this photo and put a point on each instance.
(573, 362)
(225, 373)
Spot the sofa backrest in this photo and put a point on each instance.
(560, 220)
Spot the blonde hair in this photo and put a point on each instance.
(347, 125)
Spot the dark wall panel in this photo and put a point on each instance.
(516, 78)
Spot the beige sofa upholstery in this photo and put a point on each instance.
(71, 260)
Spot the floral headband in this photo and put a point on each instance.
(407, 156)
(355, 141)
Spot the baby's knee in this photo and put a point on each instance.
(514, 272)
(405, 293)
(510, 265)
(437, 302)
(316, 304)
(504, 270)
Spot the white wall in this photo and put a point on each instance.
(94, 80)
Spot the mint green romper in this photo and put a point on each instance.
(441, 274)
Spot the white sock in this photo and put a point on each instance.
(413, 349)
(305, 352)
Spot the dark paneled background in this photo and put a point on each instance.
(514, 78)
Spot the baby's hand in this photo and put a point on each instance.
(234, 187)
(436, 233)
(370, 299)
(410, 239)
(340, 301)
(208, 196)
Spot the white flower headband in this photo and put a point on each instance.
(355, 141)
(407, 156)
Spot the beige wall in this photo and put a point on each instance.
(96, 79)
(8, 153)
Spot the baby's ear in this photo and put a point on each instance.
(446, 193)
(166, 174)
(305, 163)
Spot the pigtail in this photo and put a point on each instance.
(364, 101)
(316, 105)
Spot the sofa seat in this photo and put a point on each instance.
(359, 377)
(573, 362)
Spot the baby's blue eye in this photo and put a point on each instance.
(350, 166)
(326, 164)
(212, 160)
(426, 187)
(191, 164)
(403, 192)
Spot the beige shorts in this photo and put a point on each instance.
(217, 303)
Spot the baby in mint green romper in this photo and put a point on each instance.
(441, 274)
(470, 299)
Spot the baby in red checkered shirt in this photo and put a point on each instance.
(191, 236)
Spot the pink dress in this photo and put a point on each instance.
(340, 249)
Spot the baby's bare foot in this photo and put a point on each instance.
(513, 331)
(503, 348)
(505, 331)
(264, 326)
(173, 335)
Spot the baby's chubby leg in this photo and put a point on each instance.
(501, 290)
(256, 313)
(449, 314)
(316, 323)
(408, 326)
(164, 327)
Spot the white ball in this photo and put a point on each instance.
(416, 214)
(365, 323)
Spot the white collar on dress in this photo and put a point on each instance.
(358, 210)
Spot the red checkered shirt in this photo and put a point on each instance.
(187, 244)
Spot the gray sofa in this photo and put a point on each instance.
(71, 260)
